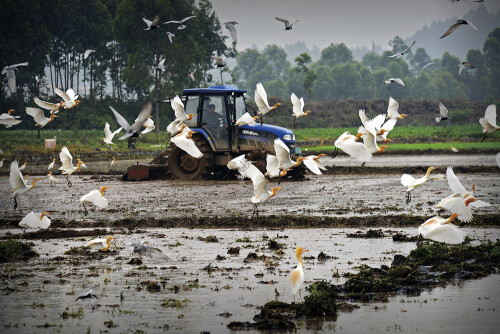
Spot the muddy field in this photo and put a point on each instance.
(204, 286)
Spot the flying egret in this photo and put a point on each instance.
(401, 54)
(246, 119)
(149, 125)
(9, 120)
(152, 24)
(161, 65)
(411, 183)
(273, 167)
(87, 53)
(144, 248)
(177, 126)
(297, 276)
(313, 164)
(298, 107)
(95, 197)
(396, 80)
(17, 182)
(442, 230)
(102, 245)
(374, 128)
(489, 121)
(283, 155)
(113, 162)
(443, 113)
(180, 23)
(427, 65)
(133, 130)
(462, 65)
(261, 101)
(86, 295)
(392, 110)
(453, 149)
(40, 81)
(53, 107)
(240, 162)
(232, 30)
(457, 203)
(67, 164)
(178, 107)
(23, 166)
(39, 117)
(70, 98)
(458, 24)
(52, 178)
(347, 143)
(170, 36)
(220, 61)
(457, 187)
(11, 76)
(184, 142)
(288, 26)
(108, 135)
(36, 220)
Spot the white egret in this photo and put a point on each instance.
(453, 149)
(87, 53)
(442, 230)
(17, 182)
(133, 130)
(70, 98)
(313, 164)
(67, 164)
(178, 107)
(261, 100)
(347, 143)
(52, 178)
(9, 120)
(297, 276)
(149, 125)
(184, 142)
(152, 24)
(170, 36)
(246, 119)
(260, 191)
(11, 76)
(411, 183)
(23, 166)
(457, 25)
(102, 245)
(95, 197)
(401, 54)
(392, 110)
(53, 107)
(396, 80)
(457, 187)
(240, 162)
(298, 107)
(489, 121)
(457, 203)
(180, 23)
(283, 156)
(177, 126)
(443, 113)
(113, 162)
(464, 64)
(36, 220)
(288, 26)
(39, 117)
(232, 30)
(108, 135)
(161, 65)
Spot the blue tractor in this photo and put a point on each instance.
(215, 110)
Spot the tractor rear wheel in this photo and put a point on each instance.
(183, 166)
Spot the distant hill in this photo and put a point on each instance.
(460, 41)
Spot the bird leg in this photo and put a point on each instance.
(294, 122)
(38, 135)
(483, 138)
(15, 203)
(300, 294)
(408, 197)
(335, 153)
(261, 120)
(69, 182)
(86, 211)
(363, 164)
(255, 210)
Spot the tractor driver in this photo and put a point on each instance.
(214, 119)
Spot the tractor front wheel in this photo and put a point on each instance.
(185, 167)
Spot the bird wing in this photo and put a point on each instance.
(451, 29)
(407, 180)
(178, 107)
(66, 159)
(272, 163)
(442, 110)
(170, 35)
(389, 125)
(187, 18)
(399, 81)
(45, 105)
(62, 94)
(71, 94)
(148, 22)
(16, 177)
(239, 162)
(472, 25)
(232, 31)
(95, 198)
(370, 141)
(454, 182)
(447, 233)
(259, 183)
(408, 48)
(44, 223)
(142, 118)
(87, 53)
(107, 132)
(160, 64)
(362, 116)
(246, 118)
(9, 122)
(11, 81)
(282, 151)
(120, 119)
(37, 114)
(456, 204)
(297, 105)
(347, 143)
(187, 145)
(377, 121)
(29, 221)
(491, 114)
(427, 65)
(285, 21)
(392, 109)
(261, 97)
(311, 165)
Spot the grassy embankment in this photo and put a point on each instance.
(463, 137)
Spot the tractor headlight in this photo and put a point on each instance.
(287, 137)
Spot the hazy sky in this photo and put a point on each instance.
(322, 22)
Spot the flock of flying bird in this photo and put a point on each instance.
(371, 131)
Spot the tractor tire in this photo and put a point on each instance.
(185, 167)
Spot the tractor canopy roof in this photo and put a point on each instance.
(220, 89)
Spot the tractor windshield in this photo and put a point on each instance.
(240, 106)
(191, 107)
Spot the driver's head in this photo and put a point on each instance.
(211, 108)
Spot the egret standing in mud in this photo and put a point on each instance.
(102, 245)
(297, 276)
(411, 183)
(95, 197)
(17, 182)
